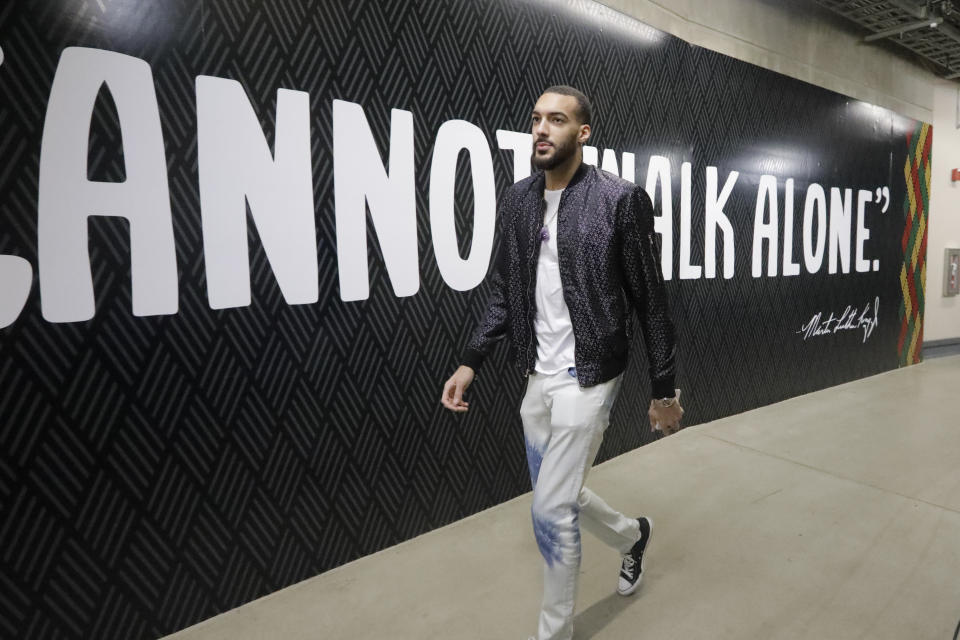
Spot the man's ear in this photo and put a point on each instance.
(584, 134)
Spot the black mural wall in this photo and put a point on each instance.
(170, 450)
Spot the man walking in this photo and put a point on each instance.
(577, 253)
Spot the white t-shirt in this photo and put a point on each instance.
(552, 323)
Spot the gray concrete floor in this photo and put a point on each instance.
(835, 515)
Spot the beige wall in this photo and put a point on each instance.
(802, 40)
(943, 314)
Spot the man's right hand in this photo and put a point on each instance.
(453, 390)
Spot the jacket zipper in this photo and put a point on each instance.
(563, 287)
(532, 286)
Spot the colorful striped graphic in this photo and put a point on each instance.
(913, 273)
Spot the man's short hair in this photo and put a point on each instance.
(584, 109)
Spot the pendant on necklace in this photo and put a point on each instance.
(544, 234)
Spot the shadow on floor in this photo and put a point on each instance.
(594, 618)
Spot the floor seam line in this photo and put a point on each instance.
(830, 473)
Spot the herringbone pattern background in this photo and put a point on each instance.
(157, 471)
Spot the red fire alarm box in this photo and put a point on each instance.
(955, 175)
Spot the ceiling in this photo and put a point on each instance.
(931, 29)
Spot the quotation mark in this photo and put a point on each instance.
(882, 193)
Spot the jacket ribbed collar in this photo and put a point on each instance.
(539, 183)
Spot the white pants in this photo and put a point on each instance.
(563, 426)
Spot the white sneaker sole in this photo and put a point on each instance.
(643, 564)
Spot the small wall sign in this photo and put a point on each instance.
(951, 272)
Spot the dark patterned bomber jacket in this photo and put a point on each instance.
(609, 263)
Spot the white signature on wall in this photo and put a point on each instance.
(852, 319)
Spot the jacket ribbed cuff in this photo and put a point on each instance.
(473, 359)
(663, 388)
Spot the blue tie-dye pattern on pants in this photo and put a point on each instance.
(534, 458)
(548, 539)
(558, 544)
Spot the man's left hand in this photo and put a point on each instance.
(665, 419)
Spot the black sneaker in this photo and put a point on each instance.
(632, 568)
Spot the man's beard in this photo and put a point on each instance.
(562, 152)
